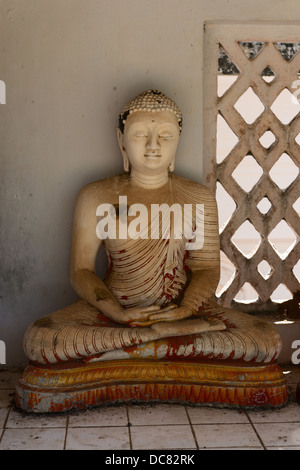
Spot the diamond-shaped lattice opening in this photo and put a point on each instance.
(228, 271)
(249, 106)
(297, 139)
(281, 294)
(296, 270)
(268, 75)
(247, 239)
(283, 239)
(265, 269)
(247, 173)
(252, 49)
(296, 206)
(225, 64)
(267, 139)
(247, 294)
(225, 82)
(226, 139)
(284, 171)
(264, 205)
(228, 72)
(285, 107)
(226, 206)
(287, 50)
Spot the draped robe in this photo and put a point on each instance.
(158, 271)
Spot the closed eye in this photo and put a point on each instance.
(165, 137)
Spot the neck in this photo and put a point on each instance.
(149, 181)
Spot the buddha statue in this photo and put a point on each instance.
(151, 329)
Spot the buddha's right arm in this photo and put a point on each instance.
(91, 288)
(85, 246)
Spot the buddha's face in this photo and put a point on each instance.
(150, 141)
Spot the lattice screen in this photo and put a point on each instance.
(256, 164)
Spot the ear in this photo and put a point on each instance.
(126, 162)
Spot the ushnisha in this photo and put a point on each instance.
(150, 101)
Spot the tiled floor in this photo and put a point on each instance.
(150, 427)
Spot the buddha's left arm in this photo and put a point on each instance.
(204, 263)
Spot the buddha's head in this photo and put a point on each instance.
(148, 132)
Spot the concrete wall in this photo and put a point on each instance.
(69, 66)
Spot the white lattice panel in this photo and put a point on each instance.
(266, 203)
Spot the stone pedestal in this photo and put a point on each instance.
(45, 389)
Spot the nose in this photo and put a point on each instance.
(153, 143)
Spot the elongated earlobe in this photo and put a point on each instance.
(172, 167)
(126, 164)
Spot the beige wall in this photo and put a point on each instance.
(69, 65)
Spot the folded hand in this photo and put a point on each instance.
(170, 313)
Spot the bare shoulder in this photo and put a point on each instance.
(101, 191)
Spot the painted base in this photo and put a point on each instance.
(57, 389)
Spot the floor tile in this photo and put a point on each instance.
(33, 439)
(233, 448)
(19, 419)
(109, 416)
(279, 434)
(162, 437)
(226, 435)
(290, 413)
(206, 415)
(157, 414)
(3, 415)
(100, 438)
(284, 448)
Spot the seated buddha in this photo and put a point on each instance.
(154, 310)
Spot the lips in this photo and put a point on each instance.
(152, 155)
